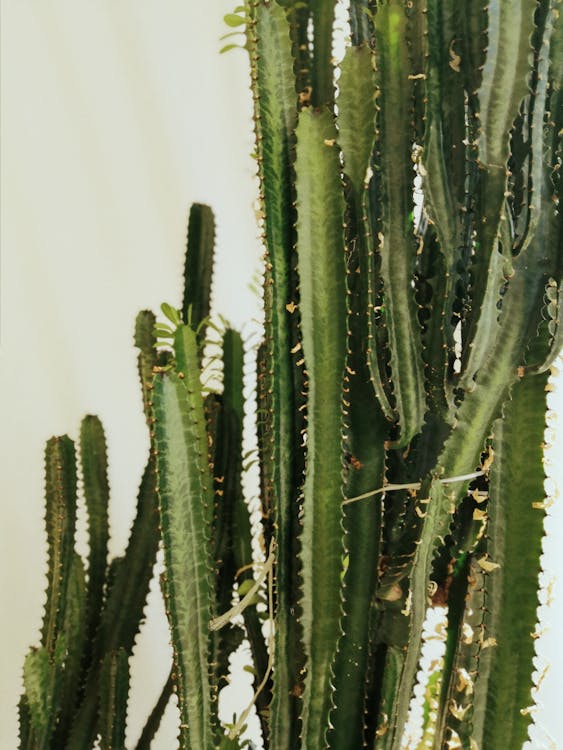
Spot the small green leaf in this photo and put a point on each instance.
(162, 327)
(171, 313)
(231, 19)
(231, 34)
(229, 47)
(245, 587)
(163, 332)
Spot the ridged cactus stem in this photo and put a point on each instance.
(361, 26)
(365, 425)
(442, 168)
(153, 722)
(320, 211)
(503, 87)
(275, 103)
(198, 271)
(123, 610)
(396, 239)
(436, 502)
(186, 507)
(60, 484)
(93, 458)
(322, 15)
(114, 689)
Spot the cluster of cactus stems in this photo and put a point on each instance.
(412, 293)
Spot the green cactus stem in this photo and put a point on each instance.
(114, 690)
(153, 722)
(396, 240)
(320, 211)
(60, 519)
(198, 269)
(76, 640)
(275, 103)
(322, 17)
(123, 610)
(516, 513)
(185, 490)
(93, 458)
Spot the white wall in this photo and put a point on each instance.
(115, 117)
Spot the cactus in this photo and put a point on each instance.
(412, 286)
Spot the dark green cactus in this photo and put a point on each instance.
(413, 236)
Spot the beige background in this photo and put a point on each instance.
(115, 117)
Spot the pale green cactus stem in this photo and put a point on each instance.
(320, 212)
(185, 490)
